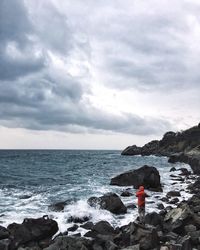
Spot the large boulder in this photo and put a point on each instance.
(147, 176)
(32, 230)
(110, 202)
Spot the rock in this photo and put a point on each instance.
(126, 193)
(190, 228)
(75, 219)
(131, 206)
(184, 171)
(4, 244)
(180, 147)
(57, 207)
(110, 202)
(147, 176)
(32, 230)
(164, 199)
(4, 234)
(173, 194)
(150, 148)
(177, 218)
(70, 243)
(24, 197)
(132, 150)
(195, 187)
(100, 228)
(103, 227)
(88, 225)
(135, 247)
(147, 238)
(160, 206)
(73, 228)
(174, 201)
(185, 242)
(172, 169)
(154, 219)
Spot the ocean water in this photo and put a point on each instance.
(31, 180)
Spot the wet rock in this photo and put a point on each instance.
(173, 194)
(73, 228)
(126, 193)
(174, 201)
(164, 199)
(131, 206)
(147, 176)
(75, 219)
(110, 202)
(88, 225)
(160, 206)
(184, 171)
(24, 197)
(59, 206)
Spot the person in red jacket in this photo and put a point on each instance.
(141, 203)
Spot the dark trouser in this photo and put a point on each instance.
(141, 211)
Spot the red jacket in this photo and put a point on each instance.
(141, 196)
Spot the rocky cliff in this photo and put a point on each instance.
(182, 146)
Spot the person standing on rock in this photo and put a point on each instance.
(141, 203)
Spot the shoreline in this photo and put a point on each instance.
(78, 236)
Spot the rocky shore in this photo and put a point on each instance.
(174, 227)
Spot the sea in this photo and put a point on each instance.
(32, 180)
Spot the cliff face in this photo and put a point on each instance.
(182, 146)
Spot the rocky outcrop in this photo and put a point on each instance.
(132, 150)
(147, 176)
(110, 202)
(189, 158)
(180, 147)
(35, 233)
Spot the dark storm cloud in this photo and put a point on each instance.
(36, 93)
(18, 54)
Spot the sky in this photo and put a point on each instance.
(87, 74)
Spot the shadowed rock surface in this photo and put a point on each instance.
(110, 202)
(147, 176)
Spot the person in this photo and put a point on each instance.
(140, 194)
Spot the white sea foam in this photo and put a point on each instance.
(15, 209)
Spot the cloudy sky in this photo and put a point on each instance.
(97, 74)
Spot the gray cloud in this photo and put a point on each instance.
(19, 55)
(45, 53)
